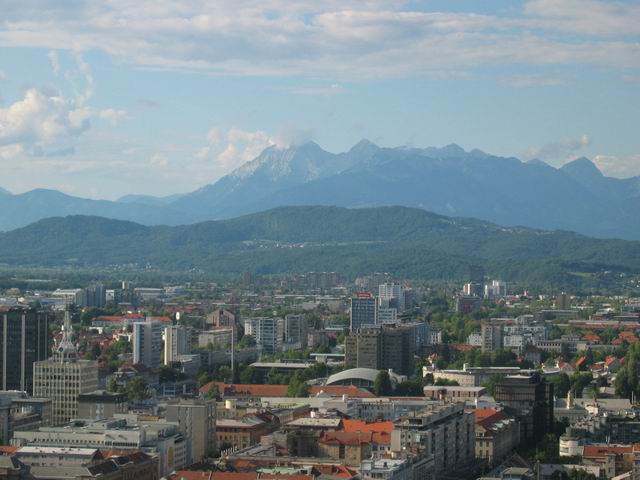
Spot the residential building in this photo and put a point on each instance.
(219, 337)
(177, 342)
(491, 333)
(243, 432)
(497, 435)
(64, 377)
(364, 311)
(147, 343)
(444, 430)
(268, 332)
(221, 317)
(197, 421)
(24, 339)
(295, 330)
(391, 295)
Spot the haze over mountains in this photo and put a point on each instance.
(448, 181)
(405, 241)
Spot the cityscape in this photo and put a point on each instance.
(242, 240)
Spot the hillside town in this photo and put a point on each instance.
(312, 376)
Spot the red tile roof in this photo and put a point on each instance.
(381, 431)
(346, 438)
(8, 449)
(362, 426)
(592, 451)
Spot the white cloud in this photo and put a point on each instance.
(618, 166)
(234, 148)
(159, 160)
(55, 61)
(46, 122)
(558, 153)
(330, 39)
(41, 118)
(90, 81)
(333, 89)
(113, 116)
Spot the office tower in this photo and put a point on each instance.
(64, 377)
(177, 342)
(364, 311)
(24, 339)
(147, 343)
(530, 400)
(196, 419)
(268, 333)
(382, 348)
(295, 329)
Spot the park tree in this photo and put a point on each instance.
(382, 384)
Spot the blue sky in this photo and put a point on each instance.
(101, 99)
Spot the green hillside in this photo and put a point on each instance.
(404, 241)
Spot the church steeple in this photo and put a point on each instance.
(66, 351)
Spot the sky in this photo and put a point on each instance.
(105, 98)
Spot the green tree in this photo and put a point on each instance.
(137, 389)
(628, 377)
(491, 382)
(561, 384)
(247, 341)
(297, 386)
(579, 381)
(213, 392)
(382, 384)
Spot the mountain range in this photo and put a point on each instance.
(448, 181)
(405, 241)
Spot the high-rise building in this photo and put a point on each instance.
(96, 295)
(196, 419)
(64, 377)
(382, 348)
(177, 342)
(364, 311)
(497, 288)
(491, 333)
(24, 339)
(391, 295)
(147, 343)
(268, 332)
(563, 302)
(528, 398)
(295, 329)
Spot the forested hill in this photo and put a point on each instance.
(405, 241)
